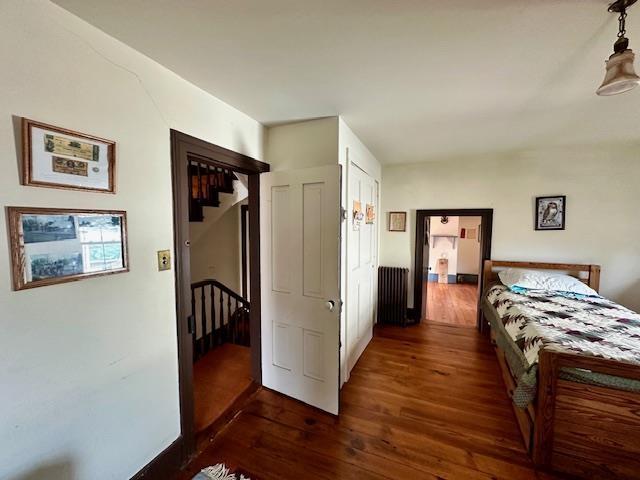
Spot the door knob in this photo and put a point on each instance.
(330, 304)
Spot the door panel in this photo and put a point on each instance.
(282, 240)
(312, 240)
(300, 254)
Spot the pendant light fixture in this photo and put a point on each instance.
(620, 76)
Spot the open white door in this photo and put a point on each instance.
(300, 284)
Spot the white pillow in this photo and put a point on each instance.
(539, 280)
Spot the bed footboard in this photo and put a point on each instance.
(586, 430)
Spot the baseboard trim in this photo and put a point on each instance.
(451, 278)
(470, 278)
(165, 465)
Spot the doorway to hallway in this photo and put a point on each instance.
(452, 303)
(453, 265)
(218, 325)
(451, 245)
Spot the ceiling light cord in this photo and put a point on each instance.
(622, 20)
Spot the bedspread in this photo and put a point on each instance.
(589, 325)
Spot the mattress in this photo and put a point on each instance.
(525, 322)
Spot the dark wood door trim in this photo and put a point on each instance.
(223, 156)
(182, 147)
(485, 252)
(244, 216)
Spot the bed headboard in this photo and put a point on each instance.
(589, 274)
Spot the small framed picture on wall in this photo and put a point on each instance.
(397, 221)
(55, 157)
(551, 212)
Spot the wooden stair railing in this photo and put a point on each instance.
(221, 316)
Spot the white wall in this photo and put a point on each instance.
(215, 242)
(469, 248)
(88, 369)
(216, 253)
(348, 141)
(601, 184)
(305, 144)
(443, 247)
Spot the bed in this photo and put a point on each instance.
(577, 402)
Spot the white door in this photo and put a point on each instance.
(361, 267)
(300, 284)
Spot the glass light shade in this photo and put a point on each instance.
(620, 76)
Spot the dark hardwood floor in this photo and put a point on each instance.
(425, 402)
(453, 303)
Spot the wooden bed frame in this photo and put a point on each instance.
(583, 430)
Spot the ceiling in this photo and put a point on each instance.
(417, 80)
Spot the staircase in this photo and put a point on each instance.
(220, 316)
(207, 183)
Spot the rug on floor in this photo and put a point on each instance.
(218, 472)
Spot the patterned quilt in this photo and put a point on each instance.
(564, 322)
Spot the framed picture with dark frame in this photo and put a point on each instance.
(55, 157)
(50, 245)
(551, 212)
(397, 221)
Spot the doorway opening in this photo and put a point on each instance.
(220, 307)
(451, 246)
(453, 265)
(216, 224)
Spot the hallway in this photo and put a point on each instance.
(452, 303)
(423, 402)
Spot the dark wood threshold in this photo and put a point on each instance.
(165, 465)
(205, 436)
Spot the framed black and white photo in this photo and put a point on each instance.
(50, 246)
(55, 157)
(551, 212)
(397, 221)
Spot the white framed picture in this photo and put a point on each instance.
(55, 157)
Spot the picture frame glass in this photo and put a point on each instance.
(397, 221)
(550, 213)
(52, 247)
(59, 158)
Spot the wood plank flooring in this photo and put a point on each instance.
(453, 303)
(425, 402)
(219, 377)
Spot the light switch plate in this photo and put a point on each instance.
(164, 260)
